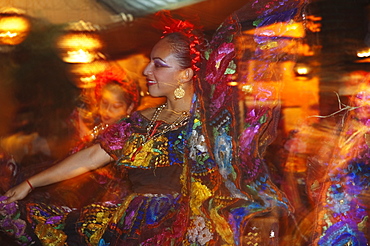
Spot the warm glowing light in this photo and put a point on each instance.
(8, 34)
(313, 23)
(88, 79)
(79, 56)
(295, 30)
(80, 47)
(281, 29)
(363, 53)
(83, 74)
(247, 88)
(232, 83)
(14, 27)
(302, 69)
(80, 43)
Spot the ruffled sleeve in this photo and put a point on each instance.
(113, 138)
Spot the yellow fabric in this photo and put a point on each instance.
(50, 236)
(96, 221)
(199, 194)
(222, 227)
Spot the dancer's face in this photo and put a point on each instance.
(112, 107)
(163, 71)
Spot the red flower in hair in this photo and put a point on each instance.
(187, 28)
(107, 76)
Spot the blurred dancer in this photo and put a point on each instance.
(338, 176)
(116, 96)
(343, 198)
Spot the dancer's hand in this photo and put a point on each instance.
(17, 192)
(79, 163)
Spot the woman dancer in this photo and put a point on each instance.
(197, 179)
(116, 96)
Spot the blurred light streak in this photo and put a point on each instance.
(363, 53)
(80, 43)
(281, 29)
(14, 26)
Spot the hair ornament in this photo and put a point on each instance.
(109, 75)
(187, 28)
(172, 25)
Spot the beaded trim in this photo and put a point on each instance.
(152, 127)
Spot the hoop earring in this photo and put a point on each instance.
(179, 92)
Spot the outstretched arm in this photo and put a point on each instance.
(74, 165)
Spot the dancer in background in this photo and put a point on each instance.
(341, 191)
(334, 206)
(115, 95)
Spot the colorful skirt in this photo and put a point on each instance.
(141, 219)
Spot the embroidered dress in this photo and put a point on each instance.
(148, 213)
(343, 195)
(175, 200)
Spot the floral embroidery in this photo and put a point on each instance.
(199, 233)
(10, 222)
(197, 143)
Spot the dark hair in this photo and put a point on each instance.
(188, 50)
(180, 44)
